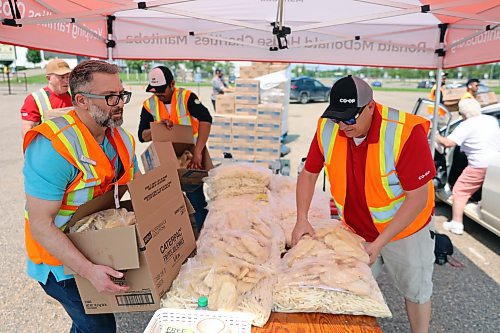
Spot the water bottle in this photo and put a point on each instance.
(202, 303)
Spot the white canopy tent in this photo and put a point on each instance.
(433, 34)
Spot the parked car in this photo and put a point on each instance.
(377, 84)
(304, 89)
(427, 84)
(483, 207)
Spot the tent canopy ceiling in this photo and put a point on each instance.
(381, 33)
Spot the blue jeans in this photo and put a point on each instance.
(66, 293)
(197, 199)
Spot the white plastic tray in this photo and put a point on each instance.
(238, 322)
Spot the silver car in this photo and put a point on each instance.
(484, 205)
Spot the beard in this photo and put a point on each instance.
(105, 119)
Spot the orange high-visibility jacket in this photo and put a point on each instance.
(432, 97)
(384, 194)
(179, 113)
(42, 102)
(72, 139)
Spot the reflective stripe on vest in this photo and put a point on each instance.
(154, 108)
(390, 143)
(89, 183)
(129, 142)
(42, 101)
(182, 113)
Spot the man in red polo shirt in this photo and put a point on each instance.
(380, 170)
(54, 96)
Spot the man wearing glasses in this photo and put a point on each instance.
(380, 170)
(172, 105)
(54, 96)
(68, 161)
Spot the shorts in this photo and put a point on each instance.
(468, 183)
(410, 263)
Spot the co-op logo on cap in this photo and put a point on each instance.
(345, 100)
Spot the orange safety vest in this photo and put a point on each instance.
(42, 102)
(72, 139)
(430, 108)
(179, 113)
(384, 194)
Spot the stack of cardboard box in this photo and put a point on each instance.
(251, 131)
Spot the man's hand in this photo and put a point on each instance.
(168, 123)
(196, 162)
(100, 277)
(301, 228)
(373, 251)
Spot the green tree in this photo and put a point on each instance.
(34, 56)
(135, 64)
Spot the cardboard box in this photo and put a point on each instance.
(242, 139)
(261, 66)
(250, 72)
(451, 98)
(245, 110)
(487, 98)
(163, 152)
(49, 114)
(181, 139)
(217, 150)
(221, 124)
(247, 85)
(246, 98)
(240, 152)
(270, 112)
(246, 72)
(453, 94)
(268, 140)
(220, 138)
(277, 67)
(268, 128)
(244, 125)
(266, 152)
(224, 103)
(258, 72)
(266, 163)
(149, 253)
(244, 159)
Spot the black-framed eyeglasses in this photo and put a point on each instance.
(111, 99)
(351, 121)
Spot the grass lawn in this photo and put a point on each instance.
(133, 81)
(40, 79)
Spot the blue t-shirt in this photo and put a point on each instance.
(46, 176)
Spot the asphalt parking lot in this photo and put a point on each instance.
(465, 299)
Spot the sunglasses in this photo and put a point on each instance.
(351, 121)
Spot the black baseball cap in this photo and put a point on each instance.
(159, 79)
(347, 97)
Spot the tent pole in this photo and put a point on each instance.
(110, 43)
(434, 128)
(110, 52)
(440, 59)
